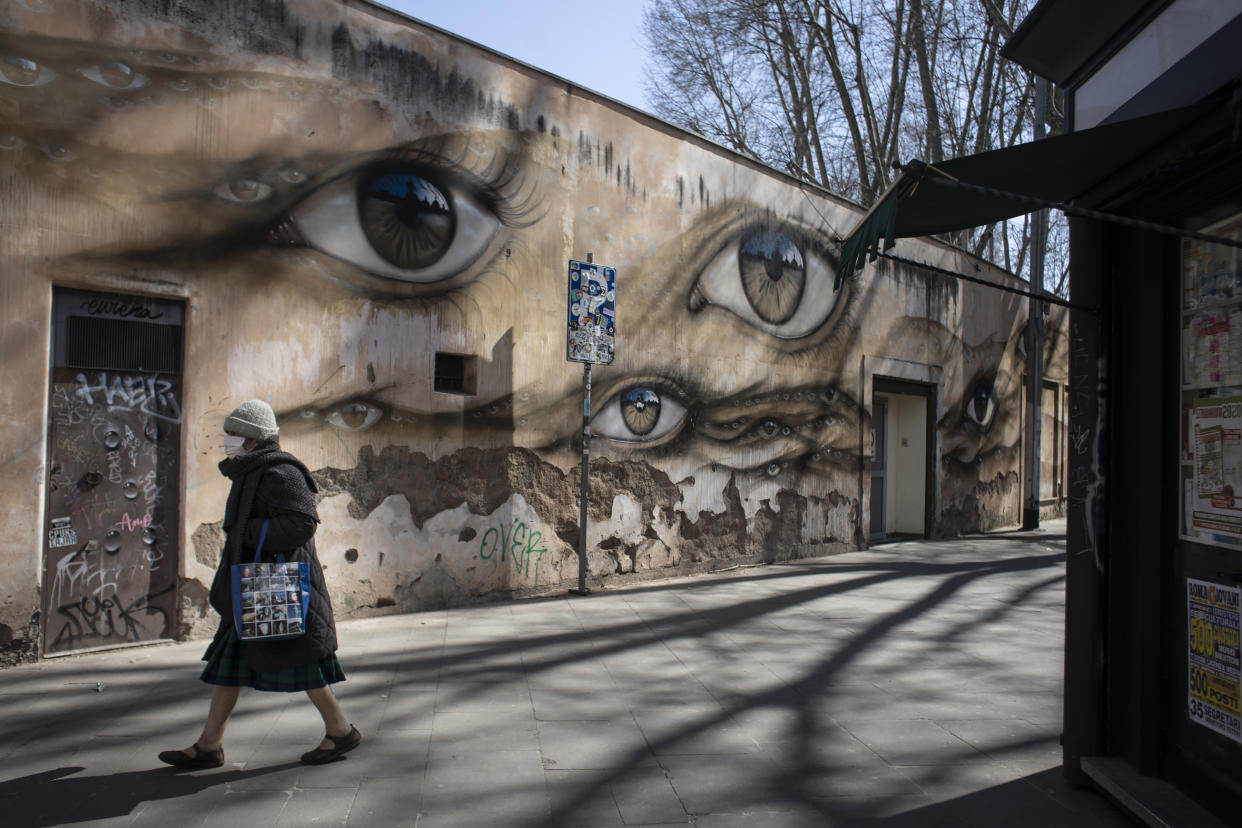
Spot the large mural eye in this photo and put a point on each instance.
(20, 71)
(639, 414)
(343, 415)
(407, 222)
(776, 278)
(981, 407)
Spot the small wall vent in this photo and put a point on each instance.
(456, 373)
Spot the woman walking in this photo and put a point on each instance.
(273, 487)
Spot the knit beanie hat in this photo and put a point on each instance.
(254, 419)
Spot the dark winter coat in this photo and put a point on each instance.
(269, 484)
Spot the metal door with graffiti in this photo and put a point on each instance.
(110, 559)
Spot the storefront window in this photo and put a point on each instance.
(1211, 435)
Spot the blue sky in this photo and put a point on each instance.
(593, 43)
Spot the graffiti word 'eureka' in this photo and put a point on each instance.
(117, 307)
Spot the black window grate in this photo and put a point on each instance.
(450, 373)
(122, 345)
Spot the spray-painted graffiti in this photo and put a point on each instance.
(1080, 436)
(68, 408)
(81, 572)
(114, 466)
(110, 467)
(94, 621)
(123, 308)
(1087, 415)
(151, 395)
(128, 524)
(520, 543)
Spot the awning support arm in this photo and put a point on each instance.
(1050, 298)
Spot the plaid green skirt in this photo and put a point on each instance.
(226, 664)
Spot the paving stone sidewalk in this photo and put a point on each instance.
(915, 684)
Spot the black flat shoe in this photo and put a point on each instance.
(340, 746)
(193, 757)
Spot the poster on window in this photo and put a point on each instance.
(592, 334)
(1215, 678)
(1216, 438)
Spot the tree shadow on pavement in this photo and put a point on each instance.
(800, 779)
(58, 797)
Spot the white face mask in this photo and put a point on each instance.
(233, 445)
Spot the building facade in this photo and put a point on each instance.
(368, 222)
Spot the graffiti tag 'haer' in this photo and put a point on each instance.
(150, 395)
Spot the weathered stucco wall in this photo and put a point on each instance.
(338, 193)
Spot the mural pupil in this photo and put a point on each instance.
(407, 219)
(980, 405)
(116, 74)
(773, 274)
(640, 409)
(354, 415)
(20, 70)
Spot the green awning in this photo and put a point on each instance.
(1081, 169)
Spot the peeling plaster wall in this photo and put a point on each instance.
(337, 194)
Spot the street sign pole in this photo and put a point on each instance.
(591, 339)
(586, 486)
(586, 459)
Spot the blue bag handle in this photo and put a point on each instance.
(262, 537)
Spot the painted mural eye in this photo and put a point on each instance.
(776, 278)
(773, 274)
(405, 222)
(243, 190)
(355, 416)
(20, 71)
(58, 153)
(115, 75)
(639, 414)
(981, 407)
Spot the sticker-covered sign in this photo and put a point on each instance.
(592, 334)
(1213, 621)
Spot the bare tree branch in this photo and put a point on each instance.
(834, 90)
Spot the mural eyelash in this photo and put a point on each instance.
(499, 181)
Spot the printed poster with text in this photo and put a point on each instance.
(1216, 437)
(1213, 624)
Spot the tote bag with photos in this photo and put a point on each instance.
(270, 599)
